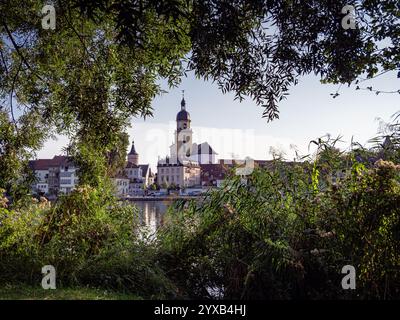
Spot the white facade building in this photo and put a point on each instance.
(139, 176)
(122, 186)
(182, 167)
(185, 174)
(68, 177)
(54, 176)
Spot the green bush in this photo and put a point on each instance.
(90, 239)
(281, 235)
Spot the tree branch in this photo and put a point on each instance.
(19, 52)
(12, 94)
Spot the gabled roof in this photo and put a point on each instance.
(203, 148)
(121, 175)
(45, 164)
(131, 165)
(145, 168)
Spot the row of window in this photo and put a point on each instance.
(166, 178)
(68, 181)
(167, 170)
(133, 172)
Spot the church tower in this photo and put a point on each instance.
(183, 134)
(133, 156)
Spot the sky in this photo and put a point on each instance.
(236, 129)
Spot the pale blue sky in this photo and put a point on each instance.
(308, 113)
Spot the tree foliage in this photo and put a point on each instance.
(102, 64)
(278, 237)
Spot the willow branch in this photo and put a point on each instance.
(19, 52)
(12, 95)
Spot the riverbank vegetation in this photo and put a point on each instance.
(283, 232)
(89, 238)
(277, 237)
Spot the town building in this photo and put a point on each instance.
(59, 175)
(183, 174)
(183, 167)
(203, 153)
(54, 176)
(139, 176)
(121, 183)
(213, 174)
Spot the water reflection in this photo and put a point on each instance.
(152, 214)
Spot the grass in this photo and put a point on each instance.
(23, 292)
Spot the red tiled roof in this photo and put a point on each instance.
(212, 172)
(45, 164)
(265, 164)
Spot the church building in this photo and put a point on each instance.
(182, 167)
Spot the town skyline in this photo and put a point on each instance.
(243, 132)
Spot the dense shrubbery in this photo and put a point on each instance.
(276, 237)
(89, 238)
(282, 233)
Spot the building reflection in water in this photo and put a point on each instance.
(151, 214)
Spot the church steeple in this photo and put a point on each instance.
(133, 156)
(183, 115)
(183, 139)
(183, 102)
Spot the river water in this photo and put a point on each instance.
(152, 213)
(152, 217)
